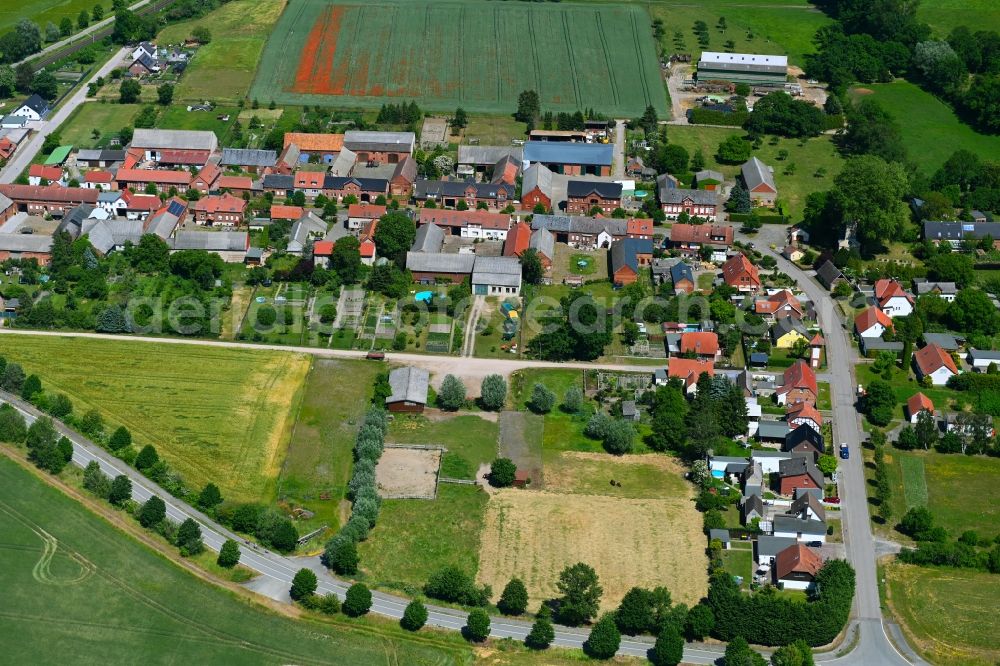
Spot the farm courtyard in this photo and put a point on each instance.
(357, 55)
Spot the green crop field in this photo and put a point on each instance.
(950, 614)
(223, 69)
(219, 415)
(43, 12)
(472, 54)
(318, 464)
(931, 130)
(77, 590)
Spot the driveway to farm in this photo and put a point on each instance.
(26, 152)
(618, 161)
(874, 645)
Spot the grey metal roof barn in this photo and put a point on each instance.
(579, 224)
(430, 262)
(248, 157)
(756, 173)
(158, 139)
(429, 238)
(499, 271)
(25, 242)
(487, 155)
(408, 384)
(543, 242)
(358, 140)
(552, 152)
(957, 231)
(537, 176)
(213, 241)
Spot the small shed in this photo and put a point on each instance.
(629, 411)
(721, 535)
(521, 478)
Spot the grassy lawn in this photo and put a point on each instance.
(492, 130)
(318, 464)
(640, 476)
(415, 538)
(470, 440)
(705, 280)
(223, 70)
(563, 432)
(949, 613)
(568, 261)
(178, 117)
(959, 490)
(764, 26)
(823, 399)
(121, 602)
(46, 11)
(739, 562)
(106, 118)
(904, 385)
(817, 153)
(933, 133)
(943, 15)
(217, 415)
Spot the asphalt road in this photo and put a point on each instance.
(26, 152)
(874, 646)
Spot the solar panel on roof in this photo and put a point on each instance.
(968, 227)
(175, 208)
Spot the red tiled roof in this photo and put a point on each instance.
(225, 203)
(800, 375)
(797, 559)
(737, 268)
(370, 211)
(464, 218)
(333, 143)
(309, 180)
(322, 248)
(234, 183)
(148, 202)
(98, 177)
(886, 289)
(153, 176)
(638, 226)
(917, 403)
(52, 173)
(367, 248)
(209, 174)
(932, 358)
(703, 344)
(803, 410)
(49, 193)
(189, 157)
(817, 341)
(869, 317)
(286, 212)
(517, 240)
(701, 233)
(689, 369)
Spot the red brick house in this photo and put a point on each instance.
(583, 196)
(798, 473)
(237, 185)
(536, 187)
(639, 227)
(48, 199)
(310, 183)
(138, 179)
(799, 385)
(401, 183)
(518, 239)
(696, 203)
(362, 189)
(225, 210)
(628, 256)
(739, 273)
(206, 179)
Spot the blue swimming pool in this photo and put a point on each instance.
(718, 474)
(639, 194)
(424, 296)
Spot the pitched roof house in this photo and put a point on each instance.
(759, 180)
(702, 344)
(804, 439)
(892, 299)
(409, 389)
(689, 238)
(872, 323)
(688, 370)
(796, 567)
(936, 363)
(917, 403)
(798, 472)
(799, 384)
(518, 240)
(627, 257)
(536, 187)
(739, 273)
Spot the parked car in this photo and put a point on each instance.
(375, 356)
(832, 500)
(815, 544)
(845, 452)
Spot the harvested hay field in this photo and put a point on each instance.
(460, 53)
(535, 534)
(408, 473)
(637, 476)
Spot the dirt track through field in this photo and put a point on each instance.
(629, 542)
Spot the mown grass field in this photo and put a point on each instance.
(120, 602)
(319, 456)
(931, 130)
(764, 26)
(217, 415)
(448, 54)
(793, 188)
(943, 15)
(108, 119)
(223, 69)
(415, 538)
(471, 441)
(949, 614)
(44, 11)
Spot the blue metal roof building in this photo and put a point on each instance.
(556, 154)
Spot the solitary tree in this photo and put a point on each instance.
(414, 617)
(165, 94)
(229, 554)
(669, 648)
(738, 653)
(477, 626)
(542, 399)
(189, 538)
(129, 92)
(502, 473)
(493, 392)
(209, 497)
(604, 639)
(358, 600)
(303, 585)
(542, 632)
(514, 599)
(581, 594)
(152, 512)
(121, 438)
(147, 458)
(794, 654)
(451, 397)
(121, 490)
(32, 385)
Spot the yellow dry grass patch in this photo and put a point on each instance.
(637, 476)
(628, 541)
